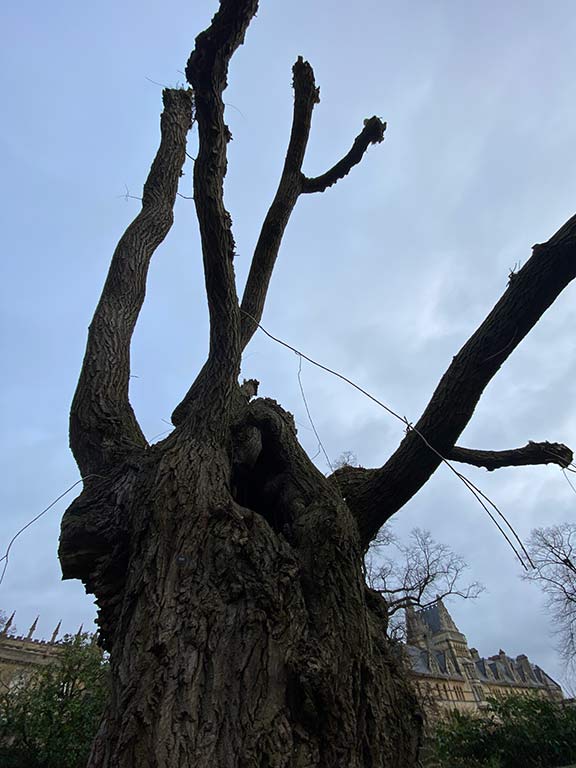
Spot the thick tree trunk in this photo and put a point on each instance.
(227, 569)
(229, 580)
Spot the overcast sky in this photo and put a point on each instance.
(382, 278)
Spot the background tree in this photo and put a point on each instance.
(227, 569)
(48, 718)
(415, 573)
(553, 552)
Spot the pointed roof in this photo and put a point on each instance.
(8, 624)
(32, 628)
(55, 633)
(437, 618)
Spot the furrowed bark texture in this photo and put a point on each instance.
(103, 428)
(532, 453)
(226, 568)
(228, 571)
(231, 597)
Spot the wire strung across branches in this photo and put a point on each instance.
(481, 497)
(28, 524)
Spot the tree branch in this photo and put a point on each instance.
(207, 72)
(372, 133)
(289, 189)
(375, 495)
(531, 453)
(292, 184)
(103, 426)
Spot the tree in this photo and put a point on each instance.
(49, 717)
(417, 574)
(227, 569)
(553, 553)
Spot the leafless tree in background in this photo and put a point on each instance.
(228, 570)
(553, 552)
(416, 573)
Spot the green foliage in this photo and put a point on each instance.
(49, 718)
(513, 731)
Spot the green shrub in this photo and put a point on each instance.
(513, 732)
(49, 718)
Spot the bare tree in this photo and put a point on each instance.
(416, 573)
(228, 570)
(553, 552)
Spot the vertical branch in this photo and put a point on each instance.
(103, 426)
(207, 71)
(289, 189)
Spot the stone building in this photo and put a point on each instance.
(450, 675)
(21, 654)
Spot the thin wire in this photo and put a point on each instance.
(468, 483)
(6, 555)
(155, 82)
(160, 434)
(479, 495)
(328, 370)
(302, 426)
(320, 445)
(568, 480)
(559, 456)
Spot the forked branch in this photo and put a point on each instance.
(102, 423)
(207, 72)
(289, 188)
(292, 184)
(375, 495)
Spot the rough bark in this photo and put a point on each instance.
(530, 454)
(228, 571)
(103, 427)
(231, 596)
